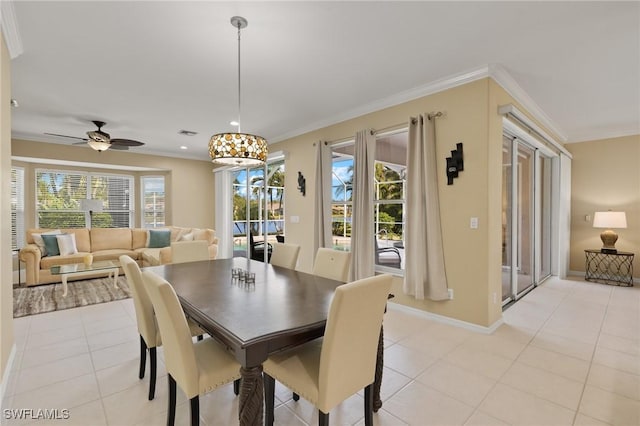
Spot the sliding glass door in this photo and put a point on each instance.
(526, 217)
(252, 205)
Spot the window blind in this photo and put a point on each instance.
(153, 201)
(58, 195)
(17, 208)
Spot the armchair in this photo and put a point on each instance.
(257, 249)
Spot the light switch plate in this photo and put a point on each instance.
(295, 219)
(473, 223)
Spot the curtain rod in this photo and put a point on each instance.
(391, 128)
(430, 116)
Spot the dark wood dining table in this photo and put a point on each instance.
(282, 309)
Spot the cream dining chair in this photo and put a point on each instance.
(198, 367)
(189, 251)
(329, 370)
(147, 325)
(333, 264)
(285, 255)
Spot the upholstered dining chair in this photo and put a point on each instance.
(147, 325)
(189, 251)
(198, 367)
(329, 370)
(285, 255)
(332, 264)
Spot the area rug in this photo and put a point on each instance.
(47, 298)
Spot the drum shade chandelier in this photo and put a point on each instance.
(237, 148)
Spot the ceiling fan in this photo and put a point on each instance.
(100, 140)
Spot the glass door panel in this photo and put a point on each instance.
(545, 219)
(250, 205)
(525, 218)
(506, 218)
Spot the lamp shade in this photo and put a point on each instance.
(610, 220)
(238, 149)
(91, 205)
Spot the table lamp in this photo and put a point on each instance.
(91, 206)
(609, 220)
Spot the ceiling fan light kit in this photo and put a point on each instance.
(99, 145)
(237, 148)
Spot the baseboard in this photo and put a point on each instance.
(445, 320)
(6, 377)
(576, 273)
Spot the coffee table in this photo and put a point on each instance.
(79, 269)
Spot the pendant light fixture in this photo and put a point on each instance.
(237, 148)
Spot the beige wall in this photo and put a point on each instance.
(6, 293)
(472, 256)
(189, 183)
(605, 176)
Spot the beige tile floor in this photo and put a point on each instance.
(567, 354)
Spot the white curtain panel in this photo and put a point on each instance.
(322, 224)
(424, 274)
(362, 229)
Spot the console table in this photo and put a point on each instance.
(610, 268)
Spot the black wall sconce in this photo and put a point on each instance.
(455, 164)
(302, 184)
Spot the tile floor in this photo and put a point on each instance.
(568, 354)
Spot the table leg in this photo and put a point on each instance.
(251, 396)
(377, 382)
(64, 286)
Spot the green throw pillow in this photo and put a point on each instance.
(51, 244)
(159, 238)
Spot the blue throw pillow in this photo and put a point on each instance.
(159, 238)
(51, 244)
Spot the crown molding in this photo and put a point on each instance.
(605, 134)
(494, 71)
(396, 99)
(10, 30)
(504, 79)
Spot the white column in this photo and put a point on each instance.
(224, 213)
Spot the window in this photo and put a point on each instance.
(58, 195)
(153, 202)
(389, 200)
(342, 196)
(17, 208)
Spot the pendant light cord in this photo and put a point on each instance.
(239, 98)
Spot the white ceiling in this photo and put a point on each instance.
(150, 69)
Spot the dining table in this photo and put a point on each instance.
(281, 309)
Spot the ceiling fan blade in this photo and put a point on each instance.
(79, 143)
(126, 142)
(66, 136)
(118, 147)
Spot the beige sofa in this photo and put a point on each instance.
(106, 244)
